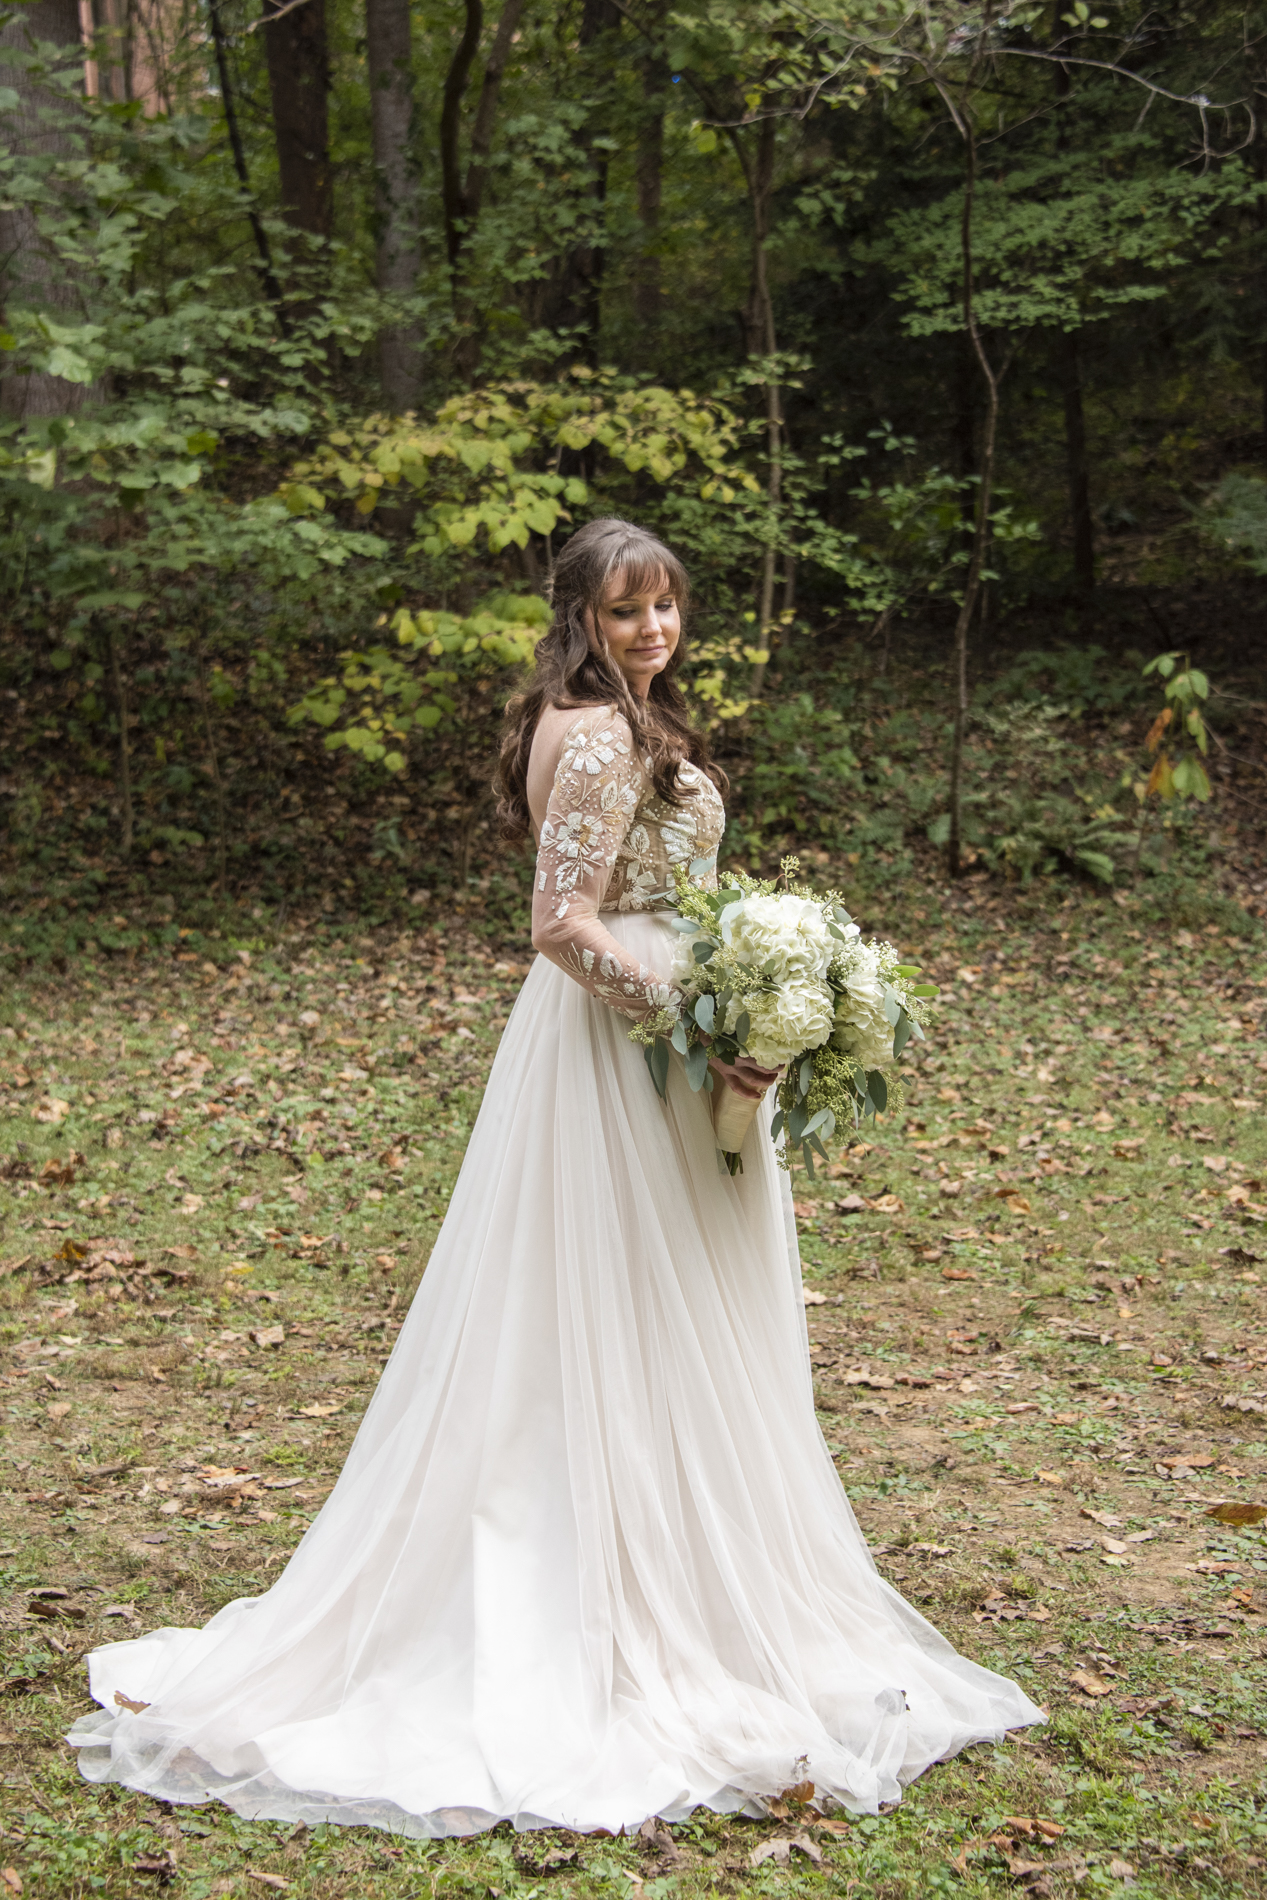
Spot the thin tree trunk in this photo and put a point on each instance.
(470, 200)
(762, 341)
(648, 290)
(112, 46)
(299, 85)
(577, 302)
(451, 125)
(964, 431)
(216, 778)
(397, 255)
(486, 111)
(31, 273)
(1069, 371)
(1069, 375)
(981, 530)
(272, 288)
(125, 746)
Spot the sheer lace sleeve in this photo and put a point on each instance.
(597, 785)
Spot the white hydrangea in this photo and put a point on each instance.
(790, 929)
(684, 970)
(785, 1021)
(862, 1027)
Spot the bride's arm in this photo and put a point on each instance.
(597, 784)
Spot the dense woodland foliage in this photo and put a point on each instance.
(935, 339)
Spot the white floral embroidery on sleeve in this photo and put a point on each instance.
(598, 784)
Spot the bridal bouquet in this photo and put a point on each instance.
(780, 974)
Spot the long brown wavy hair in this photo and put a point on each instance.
(570, 672)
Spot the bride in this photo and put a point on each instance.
(588, 1560)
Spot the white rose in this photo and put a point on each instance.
(783, 1022)
(790, 929)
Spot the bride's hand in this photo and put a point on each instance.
(745, 1077)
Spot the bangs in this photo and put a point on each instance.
(640, 564)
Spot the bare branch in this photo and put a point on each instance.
(267, 19)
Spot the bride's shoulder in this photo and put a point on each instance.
(600, 732)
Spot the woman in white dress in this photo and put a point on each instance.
(588, 1560)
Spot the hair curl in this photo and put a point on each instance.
(569, 671)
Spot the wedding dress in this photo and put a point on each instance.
(588, 1560)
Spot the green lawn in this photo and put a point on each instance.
(1036, 1310)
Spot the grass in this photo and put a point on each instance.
(1035, 1300)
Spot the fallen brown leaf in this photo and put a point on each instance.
(780, 1851)
(1089, 1683)
(1225, 1513)
(125, 1702)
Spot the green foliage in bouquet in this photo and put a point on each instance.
(774, 971)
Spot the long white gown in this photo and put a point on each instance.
(588, 1560)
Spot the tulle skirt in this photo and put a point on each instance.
(588, 1560)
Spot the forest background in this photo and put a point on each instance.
(934, 339)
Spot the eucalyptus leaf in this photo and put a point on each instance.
(678, 1038)
(697, 1065)
(657, 1054)
(705, 1009)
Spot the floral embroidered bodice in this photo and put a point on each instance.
(609, 842)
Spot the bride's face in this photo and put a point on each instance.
(641, 629)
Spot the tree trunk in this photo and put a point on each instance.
(647, 290)
(397, 258)
(486, 111)
(1068, 369)
(981, 527)
(111, 68)
(119, 683)
(761, 340)
(215, 774)
(963, 443)
(1069, 376)
(272, 289)
(299, 84)
(31, 274)
(577, 300)
(451, 125)
(463, 204)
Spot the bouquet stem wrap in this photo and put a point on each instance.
(733, 1116)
